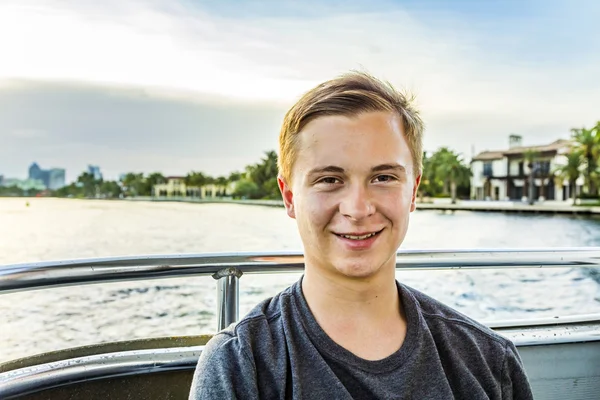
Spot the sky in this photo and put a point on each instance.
(179, 86)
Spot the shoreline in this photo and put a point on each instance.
(509, 207)
(469, 205)
(465, 205)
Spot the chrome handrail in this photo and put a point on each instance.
(29, 276)
(27, 380)
(227, 268)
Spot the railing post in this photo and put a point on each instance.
(227, 296)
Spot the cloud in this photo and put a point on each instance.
(29, 133)
(126, 130)
(454, 60)
(160, 77)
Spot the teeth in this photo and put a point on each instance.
(358, 237)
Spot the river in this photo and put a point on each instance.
(53, 229)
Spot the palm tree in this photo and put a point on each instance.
(530, 156)
(588, 144)
(89, 184)
(154, 178)
(110, 189)
(221, 183)
(234, 176)
(453, 170)
(264, 175)
(571, 170)
(133, 183)
(431, 184)
(197, 179)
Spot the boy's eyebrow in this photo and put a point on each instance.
(340, 170)
(387, 167)
(329, 168)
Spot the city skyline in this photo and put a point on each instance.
(180, 86)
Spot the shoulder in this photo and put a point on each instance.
(460, 338)
(251, 330)
(467, 344)
(228, 362)
(446, 320)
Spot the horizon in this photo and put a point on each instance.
(126, 85)
(466, 160)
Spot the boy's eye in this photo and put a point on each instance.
(329, 180)
(385, 178)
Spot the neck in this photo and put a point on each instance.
(330, 295)
(353, 311)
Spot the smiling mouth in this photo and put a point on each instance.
(359, 237)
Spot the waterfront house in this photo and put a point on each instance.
(175, 187)
(504, 174)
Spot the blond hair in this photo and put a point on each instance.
(348, 95)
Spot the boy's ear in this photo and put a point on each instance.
(413, 202)
(287, 195)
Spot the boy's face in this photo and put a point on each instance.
(353, 176)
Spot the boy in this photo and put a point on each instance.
(350, 154)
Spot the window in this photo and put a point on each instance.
(542, 167)
(487, 169)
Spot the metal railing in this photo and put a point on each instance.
(28, 380)
(227, 268)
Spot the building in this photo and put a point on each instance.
(56, 178)
(94, 170)
(53, 178)
(35, 172)
(504, 174)
(24, 184)
(175, 187)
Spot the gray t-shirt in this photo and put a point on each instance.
(279, 351)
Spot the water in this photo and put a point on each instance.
(52, 229)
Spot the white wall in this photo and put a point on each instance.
(477, 178)
(499, 167)
(514, 168)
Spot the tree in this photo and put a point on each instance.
(221, 183)
(588, 144)
(530, 156)
(450, 168)
(234, 176)
(11, 191)
(195, 179)
(110, 189)
(264, 175)
(133, 184)
(71, 190)
(89, 184)
(154, 178)
(246, 189)
(571, 170)
(430, 184)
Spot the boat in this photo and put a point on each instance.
(561, 355)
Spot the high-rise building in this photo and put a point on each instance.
(94, 170)
(56, 178)
(35, 172)
(51, 178)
